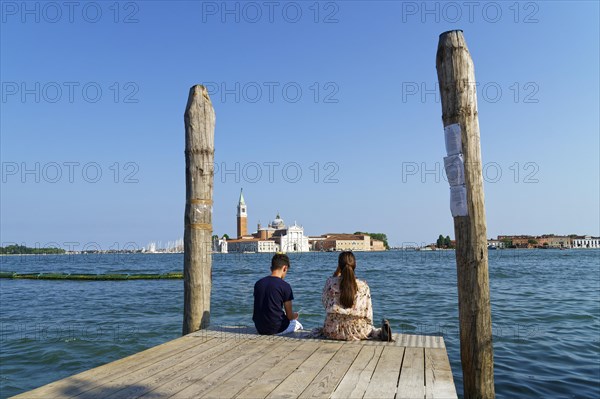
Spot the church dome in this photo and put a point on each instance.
(278, 222)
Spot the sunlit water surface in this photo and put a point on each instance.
(545, 311)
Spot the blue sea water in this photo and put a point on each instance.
(545, 311)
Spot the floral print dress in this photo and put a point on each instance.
(348, 324)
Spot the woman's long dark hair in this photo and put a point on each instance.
(348, 286)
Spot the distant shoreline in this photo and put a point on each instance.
(241, 253)
(95, 253)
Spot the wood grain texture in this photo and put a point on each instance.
(412, 375)
(208, 377)
(300, 378)
(331, 375)
(358, 377)
(384, 381)
(189, 372)
(438, 375)
(226, 364)
(456, 76)
(170, 383)
(199, 170)
(136, 383)
(86, 380)
(252, 373)
(271, 379)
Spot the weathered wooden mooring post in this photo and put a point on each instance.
(456, 77)
(199, 155)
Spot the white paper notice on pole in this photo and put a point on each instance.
(458, 201)
(453, 139)
(455, 170)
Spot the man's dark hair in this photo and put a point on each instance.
(279, 261)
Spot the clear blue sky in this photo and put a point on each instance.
(368, 117)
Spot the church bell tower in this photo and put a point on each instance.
(242, 217)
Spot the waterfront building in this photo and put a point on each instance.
(291, 239)
(526, 241)
(585, 242)
(495, 243)
(522, 241)
(377, 245)
(342, 242)
(276, 237)
(345, 242)
(252, 245)
(552, 241)
(316, 243)
(220, 245)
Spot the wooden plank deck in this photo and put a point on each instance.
(237, 363)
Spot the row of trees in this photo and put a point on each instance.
(23, 250)
(216, 237)
(444, 242)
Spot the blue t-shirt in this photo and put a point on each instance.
(269, 295)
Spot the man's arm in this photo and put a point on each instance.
(287, 305)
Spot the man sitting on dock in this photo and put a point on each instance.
(271, 296)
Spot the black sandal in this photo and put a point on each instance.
(386, 331)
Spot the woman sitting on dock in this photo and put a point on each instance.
(347, 301)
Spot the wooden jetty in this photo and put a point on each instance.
(238, 363)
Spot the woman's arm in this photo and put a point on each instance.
(369, 305)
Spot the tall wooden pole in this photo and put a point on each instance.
(199, 156)
(456, 75)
